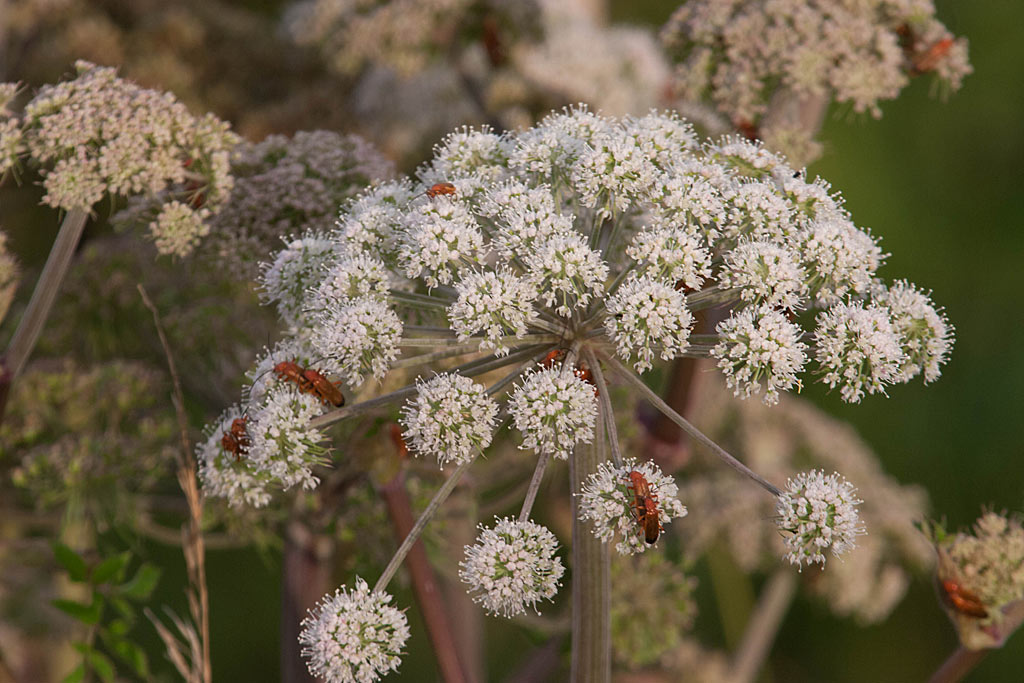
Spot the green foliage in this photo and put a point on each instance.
(108, 637)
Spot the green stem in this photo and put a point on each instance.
(688, 427)
(531, 493)
(605, 404)
(421, 523)
(591, 580)
(25, 337)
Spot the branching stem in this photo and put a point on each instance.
(687, 427)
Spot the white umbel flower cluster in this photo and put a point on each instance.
(362, 334)
(858, 349)
(294, 270)
(760, 349)
(672, 252)
(353, 636)
(512, 565)
(927, 335)
(601, 235)
(818, 513)
(451, 418)
(646, 315)
(493, 303)
(555, 410)
(609, 500)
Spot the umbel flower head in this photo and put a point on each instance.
(737, 55)
(353, 636)
(512, 565)
(818, 513)
(583, 240)
(610, 500)
(99, 135)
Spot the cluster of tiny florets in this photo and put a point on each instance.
(760, 350)
(646, 316)
(608, 501)
(818, 512)
(289, 185)
(99, 135)
(927, 335)
(858, 349)
(738, 54)
(353, 636)
(990, 560)
(493, 304)
(608, 233)
(451, 418)
(512, 565)
(554, 409)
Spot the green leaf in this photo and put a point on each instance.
(118, 627)
(110, 569)
(124, 607)
(101, 664)
(142, 584)
(132, 654)
(71, 561)
(76, 676)
(87, 614)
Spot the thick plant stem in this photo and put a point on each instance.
(417, 529)
(25, 337)
(425, 585)
(959, 664)
(763, 625)
(687, 427)
(306, 577)
(39, 306)
(591, 580)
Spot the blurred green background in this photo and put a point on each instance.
(940, 183)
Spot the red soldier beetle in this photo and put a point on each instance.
(963, 600)
(438, 189)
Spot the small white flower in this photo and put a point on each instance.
(672, 253)
(760, 212)
(609, 500)
(451, 418)
(646, 313)
(565, 270)
(440, 236)
(927, 335)
(221, 475)
(613, 173)
(352, 276)
(819, 513)
(284, 445)
(760, 348)
(294, 270)
(549, 150)
(360, 334)
(495, 303)
(767, 273)
(511, 566)
(662, 137)
(353, 636)
(858, 349)
(524, 216)
(469, 152)
(838, 258)
(746, 158)
(555, 410)
(372, 223)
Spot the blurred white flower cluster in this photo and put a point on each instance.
(99, 135)
(739, 54)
